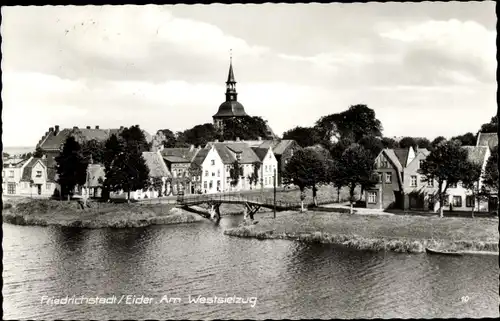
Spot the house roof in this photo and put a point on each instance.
(156, 165)
(199, 158)
(282, 146)
(179, 155)
(476, 154)
(27, 170)
(96, 171)
(424, 151)
(248, 156)
(487, 139)
(260, 152)
(391, 155)
(15, 162)
(53, 141)
(402, 155)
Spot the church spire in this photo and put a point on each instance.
(231, 93)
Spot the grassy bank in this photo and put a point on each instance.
(377, 232)
(99, 215)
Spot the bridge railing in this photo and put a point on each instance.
(257, 199)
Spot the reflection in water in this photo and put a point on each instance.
(290, 279)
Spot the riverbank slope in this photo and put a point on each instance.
(45, 212)
(375, 232)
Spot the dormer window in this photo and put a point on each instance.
(38, 173)
(238, 156)
(213, 162)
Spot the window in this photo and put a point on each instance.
(38, 173)
(238, 156)
(213, 174)
(211, 184)
(11, 175)
(227, 169)
(205, 185)
(11, 188)
(218, 173)
(213, 161)
(206, 173)
(270, 156)
(384, 164)
(372, 198)
(413, 181)
(379, 177)
(457, 201)
(469, 201)
(430, 183)
(388, 177)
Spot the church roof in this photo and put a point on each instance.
(230, 109)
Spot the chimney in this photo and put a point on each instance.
(237, 139)
(88, 127)
(97, 127)
(75, 127)
(56, 129)
(51, 129)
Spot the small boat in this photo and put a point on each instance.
(430, 251)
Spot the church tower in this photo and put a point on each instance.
(231, 108)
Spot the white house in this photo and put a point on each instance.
(269, 166)
(28, 178)
(460, 199)
(213, 175)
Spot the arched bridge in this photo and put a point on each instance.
(252, 203)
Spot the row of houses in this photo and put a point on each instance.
(190, 170)
(401, 186)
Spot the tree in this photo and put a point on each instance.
(389, 142)
(168, 139)
(445, 164)
(491, 127)
(157, 185)
(471, 175)
(93, 149)
(468, 139)
(304, 136)
(406, 142)
(38, 152)
(245, 128)
(254, 177)
(113, 149)
(354, 123)
(355, 167)
(490, 175)
(235, 172)
(372, 144)
(339, 147)
(334, 176)
(71, 167)
(423, 142)
(199, 135)
(305, 169)
(438, 140)
(134, 139)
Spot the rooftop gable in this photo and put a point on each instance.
(487, 139)
(156, 165)
(476, 154)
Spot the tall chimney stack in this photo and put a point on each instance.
(88, 127)
(97, 127)
(56, 129)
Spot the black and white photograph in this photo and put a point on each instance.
(250, 161)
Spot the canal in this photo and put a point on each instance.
(177, 264)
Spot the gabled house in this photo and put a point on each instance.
(246, 157)
(95, 179)
(211, 162)
(268, 168)
(460, 199)
(12, 173)
(159, 172)
(178, 161)
(388, 192)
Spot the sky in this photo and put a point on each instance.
(426, 69)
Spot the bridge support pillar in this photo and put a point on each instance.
(215, 211)
(250, 210)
